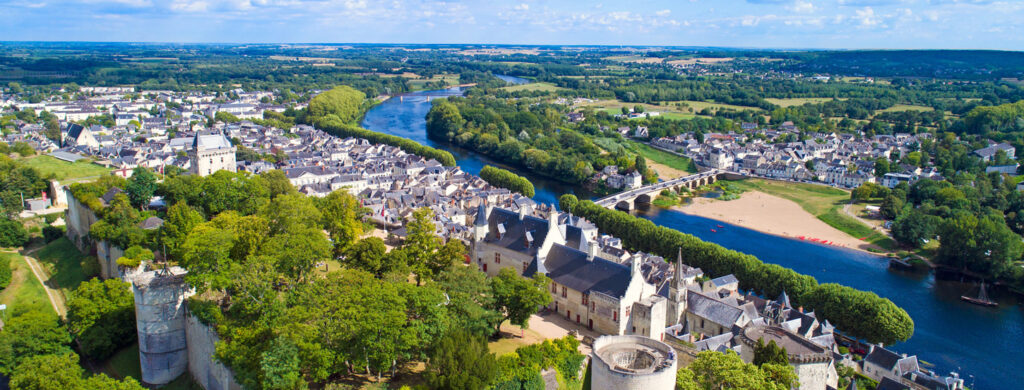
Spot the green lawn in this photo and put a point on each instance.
(906, 107)
(698, 106)
(659, 156)
(24, 293)
(451, 79)
(63, 262)
(823, 202)
(789, 102)
(63, 170)
(545, 87)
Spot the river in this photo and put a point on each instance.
(954, 336)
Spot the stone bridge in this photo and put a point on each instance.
(629, 199)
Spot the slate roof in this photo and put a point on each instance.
(724, 280)
(889, 384)
(210, 141)
(515, 231)
(883, 358)
(570, 267)
(74, 131)
(712, 309)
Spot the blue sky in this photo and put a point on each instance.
(955, 24)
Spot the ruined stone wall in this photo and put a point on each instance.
(107, 254)
(201, 345)
(78, 218)
(604, 377)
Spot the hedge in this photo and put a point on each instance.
(506, 179)
(861, 314)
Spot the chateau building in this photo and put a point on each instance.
(211, 153)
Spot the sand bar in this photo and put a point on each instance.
(772, 215)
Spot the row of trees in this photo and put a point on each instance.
(336, 111)
(506, 179)
(858, 313)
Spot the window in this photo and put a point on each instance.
(563, 291)
(554, 287)
(497, 258)
(584, 299)
(485, 267)
(592, 306)
(615, 316)
(701, 322)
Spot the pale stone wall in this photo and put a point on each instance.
(107, 254)
(201, 344)
(78, 218)
(160, 320)
(704, 326)
(484, 254)
(206, 162)
(603, 377)
(817, 376)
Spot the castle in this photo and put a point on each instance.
(210, 153)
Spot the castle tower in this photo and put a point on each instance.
(160, 319)
(211, 153)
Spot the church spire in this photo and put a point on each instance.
(679, 268)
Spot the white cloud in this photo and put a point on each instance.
(802, 7)
(664, 12)
(190, 6)
(867, 17)
(522, 7)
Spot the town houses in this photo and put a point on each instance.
(841, 160)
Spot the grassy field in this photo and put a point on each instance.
(698, 106)
(823, 202)
(659, 156)
(906, 107)
(614, 107)
(24, 293)
(63, 170)
(789, 102)
(63, 262)
(540, 86)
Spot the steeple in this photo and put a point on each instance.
(481, 214)
(679, 269)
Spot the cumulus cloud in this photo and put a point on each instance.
(866, 17)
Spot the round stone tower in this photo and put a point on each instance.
(160, 318)
(632, 363)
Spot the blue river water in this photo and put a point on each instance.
(983, 344)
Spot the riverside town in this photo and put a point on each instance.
(569, 211)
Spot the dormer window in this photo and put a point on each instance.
(501, 230)
(529, 239)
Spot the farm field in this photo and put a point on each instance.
(540, 86)
(906, 107)
(789, 102)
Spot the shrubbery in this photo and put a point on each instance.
(506, 179)
(859, 313)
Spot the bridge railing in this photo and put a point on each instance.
(652, 187)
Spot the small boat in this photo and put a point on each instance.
(714, 231)
(982, 298)
(720, 226)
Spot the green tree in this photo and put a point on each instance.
(640, 164)
(297, 252)
(461, 360)
(101, 316)
(141, 187)
(567, 202)
(714, 370)
(277, 182)
(444, 120)
(368, 255)
(62, 371)
(280, 366)
(12, 233)
(891, 207)
(518, 298)
(421, 242)
(291, 212)
(30, 334)
(120, 224)
(342, 102)
(984, 245)
(881, 166)
(472, 300)
(862, 193)
(342, 218)
(5, 271)
(912, 227)
(180, 220)
(206, 254)
(769, 353)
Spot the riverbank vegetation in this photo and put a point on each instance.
(506, 179)
(858, 313)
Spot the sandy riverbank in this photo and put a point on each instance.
(772, 215)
